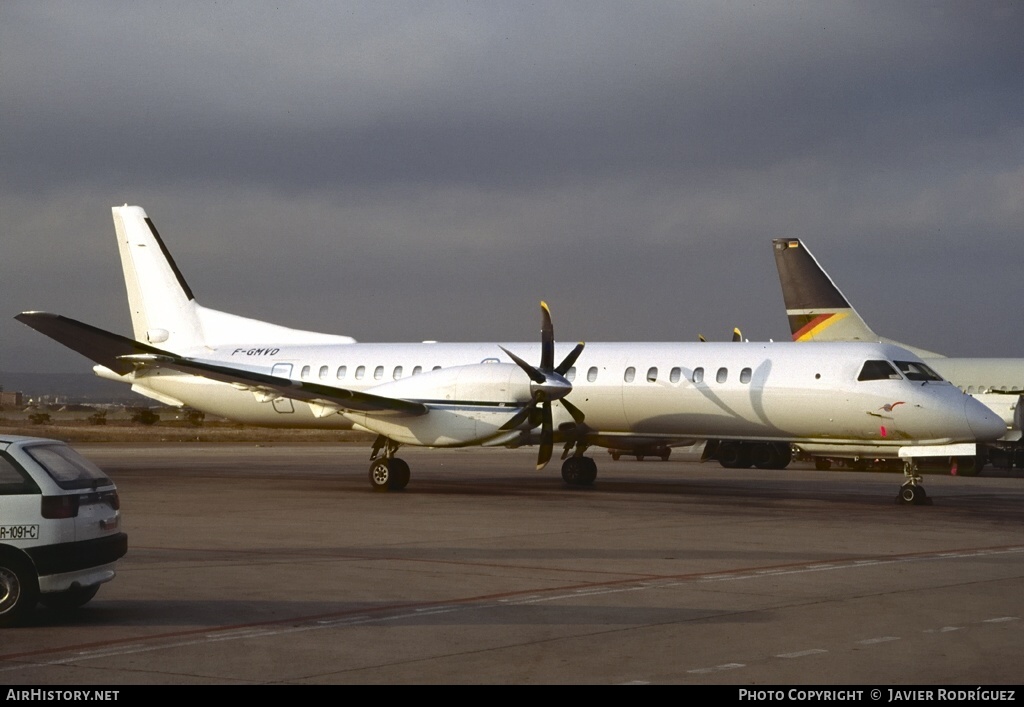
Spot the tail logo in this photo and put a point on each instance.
(815, 326)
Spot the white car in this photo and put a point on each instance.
(60, 527)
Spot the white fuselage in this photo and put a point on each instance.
(745, 391)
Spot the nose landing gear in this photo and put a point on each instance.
(912, 493)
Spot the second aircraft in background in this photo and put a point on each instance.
(819, 312)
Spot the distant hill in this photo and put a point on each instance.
(69, 387)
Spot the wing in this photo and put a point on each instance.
(123, 355)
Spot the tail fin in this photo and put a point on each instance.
(163, 308)
(162, 305)
(817, 310)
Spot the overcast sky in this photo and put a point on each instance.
(399, 171)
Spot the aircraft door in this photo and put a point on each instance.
(283, 370)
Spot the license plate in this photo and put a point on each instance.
(19, 532)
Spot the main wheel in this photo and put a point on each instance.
(69, 598)
(400, 474)
(734, 455)
(588, 472)
(783, 455)
(19, 590)
(579, 471)
(389, 474)
(770, 455)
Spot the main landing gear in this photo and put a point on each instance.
(387, 472)
(579, 471)
(912, 493)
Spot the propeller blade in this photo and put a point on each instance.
(535, 375)
(569, 360)
(737, 335)
(577, 414)
(521, 416)
(547, 339)
(546, 439)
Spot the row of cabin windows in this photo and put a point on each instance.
(674, 376)
(360, 372)
(972, 389)
(697, 376)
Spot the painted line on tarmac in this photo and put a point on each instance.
(418, 611)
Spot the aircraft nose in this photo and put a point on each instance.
(986, 425)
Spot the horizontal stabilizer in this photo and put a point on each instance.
(123, 355)
(103, 347)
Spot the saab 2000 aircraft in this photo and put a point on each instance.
(748, 400)
(818, 311)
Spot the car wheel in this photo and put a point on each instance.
(19, 590)
(69, 598)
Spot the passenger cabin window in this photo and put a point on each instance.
(342, 370)
(592, 374)
(652, 374)
(570, 375)
(417, 370)
(324, 372)
(722, 375)
(436, 368)
(360, 372)
(398, 372)
(917, 371)
(674, 374)
(698, 375)
(305, 372)
(630, 375)
(878, 371)
(378, 373)
(745, 375)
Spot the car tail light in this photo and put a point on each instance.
(60, 506)
(112, 499)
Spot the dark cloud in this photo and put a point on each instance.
(430, 170)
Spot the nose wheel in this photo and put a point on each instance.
(912, 493)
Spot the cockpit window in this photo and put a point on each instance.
(917, 371)
(878, 371)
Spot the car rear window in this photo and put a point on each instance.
(67, 467)
(14, 481)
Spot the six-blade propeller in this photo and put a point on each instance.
(548, 384)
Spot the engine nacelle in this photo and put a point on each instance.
(468, 405)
